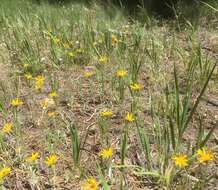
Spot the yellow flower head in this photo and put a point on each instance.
(39, 82)
(88, 74)
(4, 172)
(28, 76)
(71, 54)
(79, 50)
(53, 94)
(34, 156)
(51, 113)
(47, 102)
(56, 40)
(106, 153)
(66, 45)
(95, 44)
(136, 86)
(180, 160)
(51, 160)
(205, 156)
(107, 113)
(26, 65)
(114, 40)
(16, 102)
(121, 73)
(90, 184)
(129, 117)
(103, 60)
(7, 128)
(101, 40)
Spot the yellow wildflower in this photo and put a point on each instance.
(205, 156)
(100, 40)
(95, 44)
(34, 156)
(56, 40)
(28, 76)
(88, 74)
(103, 60)
(51, 113)
(114, 40)
(71, 54)
(90, 184)
(39, 82)
(106, 153)
(121, 73)
(4, 172)
(107, 113)
(129, 117)
(47, 102)
(51, 160)
(53, 94)
(66, 45)
(16, 102)
(7, 128)
(79, 50)
(25, 65)
(136, 87)
(180, 160)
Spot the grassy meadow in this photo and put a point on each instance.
(92, 98)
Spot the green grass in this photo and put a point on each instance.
(169, 91)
